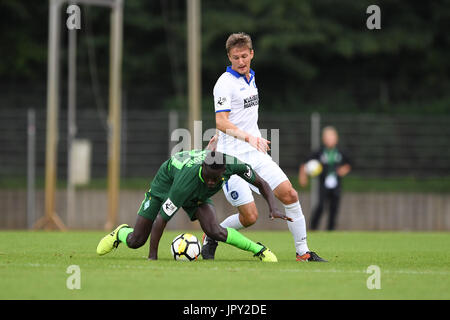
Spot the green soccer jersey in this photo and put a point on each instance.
(179, 184)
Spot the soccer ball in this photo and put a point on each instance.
(185, 247)
(313, 168)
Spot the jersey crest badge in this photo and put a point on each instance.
(221, 101)
(169, 208)
(248, 174)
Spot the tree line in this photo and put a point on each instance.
(309, 55)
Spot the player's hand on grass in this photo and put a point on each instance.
(277, 214)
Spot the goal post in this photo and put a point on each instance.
(50, 218)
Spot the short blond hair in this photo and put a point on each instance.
(330, 129)
(240, 39)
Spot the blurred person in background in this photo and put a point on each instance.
(335, 166)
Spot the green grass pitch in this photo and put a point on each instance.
(415, 265)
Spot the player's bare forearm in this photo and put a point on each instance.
(226, 126)
(268, 195)
(265, 190)
(155, 236)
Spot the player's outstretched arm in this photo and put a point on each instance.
(267, 193)
(157, 231)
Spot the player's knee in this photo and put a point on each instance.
(248, 214)
(249, 219)
(290, 196)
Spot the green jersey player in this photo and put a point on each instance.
(187, 180)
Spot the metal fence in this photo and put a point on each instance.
(379, 145)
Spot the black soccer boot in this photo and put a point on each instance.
(209, 248)
(310, 256)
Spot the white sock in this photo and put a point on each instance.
(232, 222)
(297, 226)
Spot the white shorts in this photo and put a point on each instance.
(239, 192)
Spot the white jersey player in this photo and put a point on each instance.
(236, 106)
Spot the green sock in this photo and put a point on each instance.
(237, 239)
(123, 234)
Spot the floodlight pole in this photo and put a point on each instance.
(71, 121)
(31, 168)
(194, 68)
(115, 96)
(51, 219)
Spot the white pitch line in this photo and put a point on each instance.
(177, 267)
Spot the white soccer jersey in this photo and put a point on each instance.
(234, 94)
